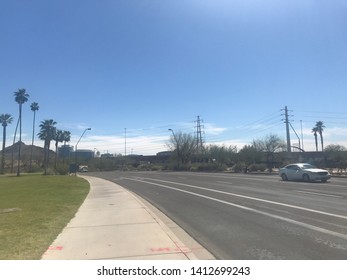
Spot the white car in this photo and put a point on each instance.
(305, 172)
(83, 168)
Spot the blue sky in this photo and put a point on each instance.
(148, 66)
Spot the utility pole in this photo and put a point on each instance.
(286, 121)
(198, 134)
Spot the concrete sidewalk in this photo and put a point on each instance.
(113, 223)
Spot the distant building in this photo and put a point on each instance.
(107, 155)
(65, 151)
(85, 154)
(165, 154)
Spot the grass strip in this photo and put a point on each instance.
(33, 211)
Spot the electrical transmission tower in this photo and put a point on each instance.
(199, 143)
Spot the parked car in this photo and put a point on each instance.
(305, 172)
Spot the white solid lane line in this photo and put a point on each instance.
(308, 226)
(252, 198)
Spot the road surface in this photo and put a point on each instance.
(238, 216)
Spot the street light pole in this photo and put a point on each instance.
(77, 144)
(174, 136)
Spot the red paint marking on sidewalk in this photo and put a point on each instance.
(184, 249)
(168, 249)
(55, 248)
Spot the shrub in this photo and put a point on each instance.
(257, 167)
(62, 169)
(50, 171)
(239, 167)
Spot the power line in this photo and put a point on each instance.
(321, 112)
(262, 120)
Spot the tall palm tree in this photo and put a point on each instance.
(5, 119)
(47, 134)
(58, 137)
(315, 130)
(320, 127)
(34, 107)
(20, 97)
(66, 138)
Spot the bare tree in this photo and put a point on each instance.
(184, 146)
(269, 145)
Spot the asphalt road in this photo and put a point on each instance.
(238, 216)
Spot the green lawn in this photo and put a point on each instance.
(33, 211)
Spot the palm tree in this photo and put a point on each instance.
(34, 107)
(58, 137)
(66, 138)
(315, 130)
(5, 119)
(20, 97)
(320, 127)
(47, 134)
